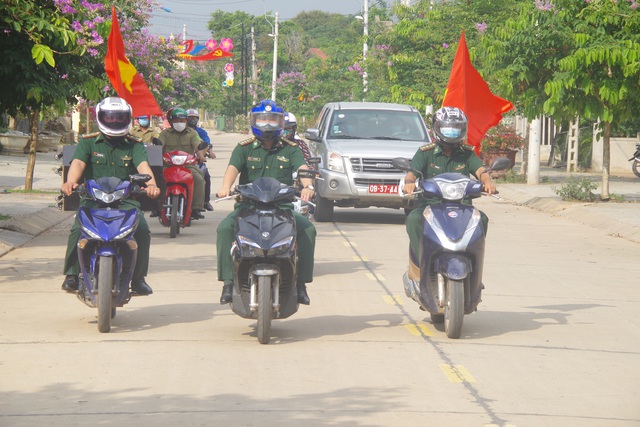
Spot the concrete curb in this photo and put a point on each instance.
(583, 213)
(18, 230)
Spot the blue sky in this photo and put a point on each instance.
(195, 13)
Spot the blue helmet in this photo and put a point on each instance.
(267, 120)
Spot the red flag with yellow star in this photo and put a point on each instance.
(468, 91)
(125, 78)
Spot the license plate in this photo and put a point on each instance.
(383, 189)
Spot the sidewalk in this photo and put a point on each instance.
(33, 213)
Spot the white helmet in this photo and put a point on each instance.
(289, 120)
(114, 116)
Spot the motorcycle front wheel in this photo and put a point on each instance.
(454, 308)
(105, 284)
(265, 308)
(173, 224)
(636, 168)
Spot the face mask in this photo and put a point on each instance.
(450, 132)
(143, 122)
(286, 133)
(179, 127)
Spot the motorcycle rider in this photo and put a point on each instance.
(110, 152)
(289, 132)
(193, 117)
(144, 130)
(447, 154)
(266, 154)
(181, 137)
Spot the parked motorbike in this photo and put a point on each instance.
(635, 166)
(451, 248)
(107, 250)
(176, 209)
(264, 254)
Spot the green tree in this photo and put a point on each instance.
(584, 55)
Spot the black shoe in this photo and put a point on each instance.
(154, 214)
(303, 297)
(196, 215)
(70, 284)
(208, 206)
(227, 293)
(140, 287)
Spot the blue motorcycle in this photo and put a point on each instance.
(107, 250)
(451, 248)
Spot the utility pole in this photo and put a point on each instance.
(254, 68)
(275, 60)
(365, 49)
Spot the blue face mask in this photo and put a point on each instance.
(450, 132)
(143, 122)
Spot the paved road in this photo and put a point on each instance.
(555, 341)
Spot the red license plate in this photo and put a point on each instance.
(383, 189)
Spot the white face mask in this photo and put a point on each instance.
(179, 127)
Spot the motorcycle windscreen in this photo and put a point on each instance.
(266, 228)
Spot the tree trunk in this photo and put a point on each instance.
(606, 160)
(33, 143)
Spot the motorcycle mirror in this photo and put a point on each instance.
(404, 164)
(139, 177)
(500, 163)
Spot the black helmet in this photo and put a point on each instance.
(450, 126)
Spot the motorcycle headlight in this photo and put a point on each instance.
(281, 247)
(108, 197)
(124, 234)
(249, 248)
(90, 233)
(335, 162)
(452, 190)
(178, 160)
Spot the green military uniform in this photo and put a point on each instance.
(253, 161)
(102, 159)
(431, 161)
(186, 141)
(145, 134)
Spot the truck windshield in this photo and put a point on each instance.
(377, 124)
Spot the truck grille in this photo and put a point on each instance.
(365, 182)
(359, 164)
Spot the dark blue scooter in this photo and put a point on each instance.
(107, 250)
(451, 248)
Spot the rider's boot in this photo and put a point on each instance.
(227, 293)
(303, 297)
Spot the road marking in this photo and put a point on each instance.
(392, 299)
(457, 373)
(374, 277)
(360, 258)
(419, 330)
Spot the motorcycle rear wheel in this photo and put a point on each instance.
(454, 308)
(636, 168)
(173, 224)
(105, 285)
(265, 308)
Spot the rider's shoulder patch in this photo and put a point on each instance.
(290, 142)
(90, 135)
(429, 146)
(247, 141)
(133, 138)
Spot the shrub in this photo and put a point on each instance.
(577, 189)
